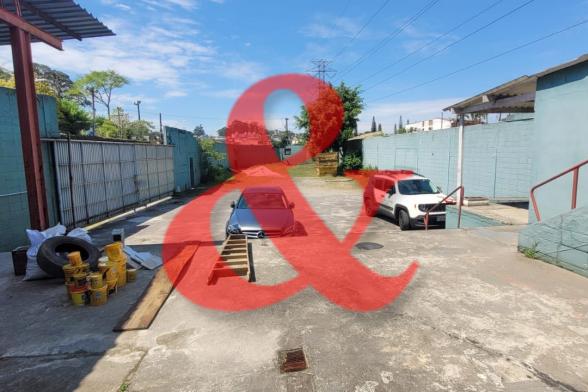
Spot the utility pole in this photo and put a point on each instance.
(163, 138)
(93, 92)
(138, 105)
(287, 133)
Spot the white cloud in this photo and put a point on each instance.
(246, 71)
(226, 93)
(328, 27)
(388, 113)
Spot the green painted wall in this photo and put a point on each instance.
(14, 212)
(497, 157)
(186, 147)
(560, 138)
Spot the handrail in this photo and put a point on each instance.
(460, 203)
(576, 170)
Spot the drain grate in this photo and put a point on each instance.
(368, 245)
(292, 360)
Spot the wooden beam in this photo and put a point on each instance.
(49, 19)
(18, 22)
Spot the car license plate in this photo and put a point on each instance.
(440, 218)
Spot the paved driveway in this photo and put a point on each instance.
(477, 317)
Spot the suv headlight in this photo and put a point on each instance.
(234, 229)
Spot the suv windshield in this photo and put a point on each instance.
(416, 187)
(262, 201)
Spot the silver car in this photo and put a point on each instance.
(266, 204)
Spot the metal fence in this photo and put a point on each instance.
(101, 179)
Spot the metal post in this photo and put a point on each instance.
(29, 125)
(138, 105)
(460, 159)
(575, 187)
(71, 185)
(93, 92)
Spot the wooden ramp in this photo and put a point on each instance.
(234, 259)
(142, 314)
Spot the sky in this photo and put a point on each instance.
(191, 59)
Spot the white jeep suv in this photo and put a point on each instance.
(405, 197)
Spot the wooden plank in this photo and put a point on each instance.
(142, 314)
(233, 260)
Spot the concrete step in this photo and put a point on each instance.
(562, 240)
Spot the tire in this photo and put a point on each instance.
(369, 209)
(51, 256)
(403, 220)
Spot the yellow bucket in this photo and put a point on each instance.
(85, 268)
(103, 267)
(98, 296)
(78, 296)
(111, 284)
(68, 272)
(75, 258)
(131, 274)
(121, 270)
(114, 251)
(80, 280)
(96, 281)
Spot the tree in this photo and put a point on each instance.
(102, 83)
(138, 130)
(199, 131)
(400, 123)
(352, 106)
(72, 118)
(106, 128)
(5, 74)
(373, 124)
(58, 81)
(222, 132)
(380, 127)
(395, 128)
(40, 87)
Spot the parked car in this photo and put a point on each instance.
(266, 204)
(405, 197)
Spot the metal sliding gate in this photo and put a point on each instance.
(101, 179)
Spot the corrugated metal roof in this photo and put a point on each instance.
(504, 97)
(63, 19)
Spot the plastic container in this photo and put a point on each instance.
(69, 271)
(114, 251)
(78, 296)
(80, 280)
(111, 284)
(19, 260)
(131, 274)
(99, 296)
(96, 280)
(75, 258)
(121, 271)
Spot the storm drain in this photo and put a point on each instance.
(368, 245)
(292, 360)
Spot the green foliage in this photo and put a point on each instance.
(5, 74)
(102, 83)
(379, 127)
(57, 81)
(352, 162)
(106, 128)
(139, 130)
(222, 132)
(72, 118)
(199, 131)
(531, 252)
(212, 171)
(352, 106)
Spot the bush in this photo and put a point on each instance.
(352, 162)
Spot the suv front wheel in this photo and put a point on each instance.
(403, 220)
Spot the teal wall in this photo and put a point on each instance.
(497, 157)
(560, 138)
(14, 211)
(185, 147)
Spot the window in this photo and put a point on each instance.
(416, 187)
(274, 201)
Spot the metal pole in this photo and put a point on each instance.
(93, 92)
(575, 187)
(29, 124)
(138, 104)
(460, 136)
(163, 137)
(71, 188)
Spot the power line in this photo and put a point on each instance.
(350, 42)
(392, 35)
(321, 69)
(492, 22)
(431, 42)
(468, 67)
